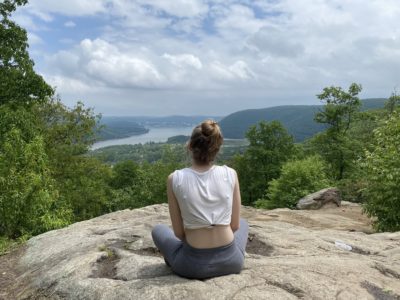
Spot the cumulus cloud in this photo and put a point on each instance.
(275, 42)
(179, 8)
(282, 49)
(44, 8)
(184, 60)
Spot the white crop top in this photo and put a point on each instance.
(204, 198)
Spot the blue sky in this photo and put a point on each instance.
(213, 57)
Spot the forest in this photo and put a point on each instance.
(48, 180)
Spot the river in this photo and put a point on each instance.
(156, 134)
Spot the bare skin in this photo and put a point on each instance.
(203, 238)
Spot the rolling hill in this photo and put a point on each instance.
(298, 119)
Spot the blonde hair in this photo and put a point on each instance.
(205, 142)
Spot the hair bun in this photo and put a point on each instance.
(206, 141)
(210, 128)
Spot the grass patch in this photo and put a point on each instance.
(7, 244)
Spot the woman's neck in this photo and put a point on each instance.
(201, 167)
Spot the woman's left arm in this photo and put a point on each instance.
(236, 203)
(174, 211)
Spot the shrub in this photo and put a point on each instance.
(382, 169)
(28, 198)
(298, 179)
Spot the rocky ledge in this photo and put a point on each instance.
(330, 253)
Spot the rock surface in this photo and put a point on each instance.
(319, 199)
(290, 255)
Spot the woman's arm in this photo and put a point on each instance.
(236, 203)
(174, 211)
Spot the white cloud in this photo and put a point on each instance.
(184, 60)
(179, 8)
(69, 24)
(44, 8)
(34, 39)
(239, 18)
(266, 49)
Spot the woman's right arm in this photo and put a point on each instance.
(236, 203)
(174, 211)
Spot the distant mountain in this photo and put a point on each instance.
(115, 128)
(298, 119)
(163, 121)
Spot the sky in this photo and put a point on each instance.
(211, 57)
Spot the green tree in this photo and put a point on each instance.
(28, 199)
(149, 187)
(82, 182)
(44, 175)
(125, 174)
(382, 170)
(19, 83)
(338, 113)
(298, 179)
(270, 146)
(392, 103)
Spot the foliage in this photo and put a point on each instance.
(392, 103)
(153, 152)
(43, 176)
(83, 185)
(147, 185)
(19, 84)
(124, 174)
(382, 169)
(270, 146)
(298, 179)
(82, 182)
(28, 198)
(7, 245)
(338, 113)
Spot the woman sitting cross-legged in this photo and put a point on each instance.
(208, 237)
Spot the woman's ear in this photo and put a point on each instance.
(188, 146)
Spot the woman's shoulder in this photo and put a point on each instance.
(228, 172)
(179, 173)
(227, 169)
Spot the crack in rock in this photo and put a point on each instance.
(379, 293)
(299, 293)
(386, 271)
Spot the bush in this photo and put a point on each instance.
(298, 179)
(382, 169)
(28, 198)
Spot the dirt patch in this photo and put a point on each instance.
(125, 245)
(106, 265)
(256, 246)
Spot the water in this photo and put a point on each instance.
(156, 134)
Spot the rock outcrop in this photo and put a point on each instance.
(319, 199)
(290, 255)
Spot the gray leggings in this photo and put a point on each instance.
(191, 262)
